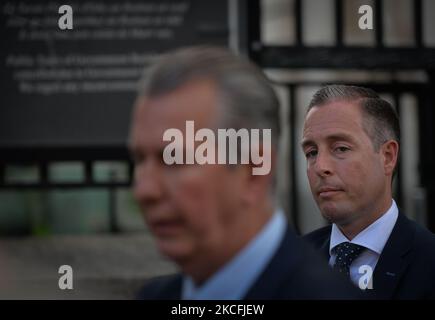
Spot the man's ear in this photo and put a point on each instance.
(390, 154)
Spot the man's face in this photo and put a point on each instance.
(189, 208)
(346, 174)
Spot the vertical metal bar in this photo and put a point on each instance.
(43, 173)
(88, 173)
(233, 25)
(298, 22)
(130, 173)
(379, 26)
(418, 23)
(399, 191)
(420, 199)
(294, 201)
(2, 174)
(427, 152)
(339, 9)
(254, 29)
(113, 206)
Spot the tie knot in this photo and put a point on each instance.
(346, 253)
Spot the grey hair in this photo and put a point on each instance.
(380, 120)
(246, 96)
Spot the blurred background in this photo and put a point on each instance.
(66, 97)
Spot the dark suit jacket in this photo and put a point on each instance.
(294, 272)
(406, 267)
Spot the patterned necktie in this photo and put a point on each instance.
(346, 253)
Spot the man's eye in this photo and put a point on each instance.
(311, 154)
(341, 149)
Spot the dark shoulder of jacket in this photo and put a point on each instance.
(424, 241)
(161, 287)
(319, 236)
(311, 278)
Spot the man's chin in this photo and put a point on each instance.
(337, 217)
(332, 214)
(173, 250)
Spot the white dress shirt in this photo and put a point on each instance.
(373, 238)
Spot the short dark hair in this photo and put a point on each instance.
(380, 120)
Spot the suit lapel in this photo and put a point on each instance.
(321, 239)
(280, 266)
(175, 289)
(170, 288)
(393, 260)
(325, 248)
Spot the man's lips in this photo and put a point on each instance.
(326, 192)
(165, 227)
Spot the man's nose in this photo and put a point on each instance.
(323, 165)
(148, 183)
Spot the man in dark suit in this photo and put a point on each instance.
(217, 221)
(351, 143)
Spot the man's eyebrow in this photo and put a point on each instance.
(333, 137)
(340, 136)
(306, 143)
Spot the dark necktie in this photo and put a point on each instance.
(346, 253)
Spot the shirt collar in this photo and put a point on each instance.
(235, 278)
(374, 237)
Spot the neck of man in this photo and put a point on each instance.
(353, 228)
(240, 234)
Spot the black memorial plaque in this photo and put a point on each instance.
(75, 88)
